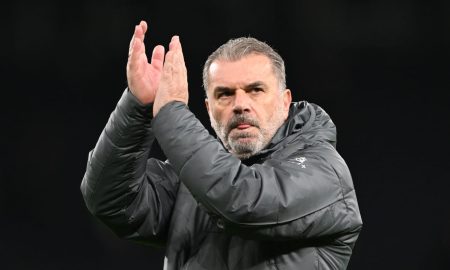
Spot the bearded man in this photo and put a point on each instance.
(273, 193)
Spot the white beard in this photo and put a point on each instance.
(246, 149)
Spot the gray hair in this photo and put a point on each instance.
(236, 49)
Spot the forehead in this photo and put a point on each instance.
(250, 68)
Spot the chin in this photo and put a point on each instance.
(243, 155)
(244, 150)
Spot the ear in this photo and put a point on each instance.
(207, 106)
(287, 99)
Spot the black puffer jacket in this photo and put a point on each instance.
(293, 206)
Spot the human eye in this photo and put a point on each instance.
(256, 89)
(224, 94)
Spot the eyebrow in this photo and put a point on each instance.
(219, 89)
(255, 84)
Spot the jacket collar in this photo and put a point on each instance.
(307, 122)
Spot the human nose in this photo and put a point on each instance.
(241, 102)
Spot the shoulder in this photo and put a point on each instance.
(321, 156)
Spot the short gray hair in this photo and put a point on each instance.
(236, 49)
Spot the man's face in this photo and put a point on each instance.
(245, 105)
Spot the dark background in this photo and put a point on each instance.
(380, 69)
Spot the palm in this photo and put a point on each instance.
(145, 80)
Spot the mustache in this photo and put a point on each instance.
(240, 119)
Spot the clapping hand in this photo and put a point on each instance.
(160, 81)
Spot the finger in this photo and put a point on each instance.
(137, 48)
(157, 60)
(138, 34)
(144, 26)
(168, 64)
(180, 49)
(169, 58)
(178, 55)
(173, 43)
(139, 31)
(137, 54)
(130, 47)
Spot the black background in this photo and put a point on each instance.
(379, 68)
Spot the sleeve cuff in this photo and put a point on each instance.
(131, 104)
(130, 121)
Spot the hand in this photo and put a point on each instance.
(143, 77)
(174, 84)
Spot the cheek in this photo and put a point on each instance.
(272, 111)
(217, 116)
(268, 108)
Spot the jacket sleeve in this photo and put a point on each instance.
(131, 194)
(278, 199)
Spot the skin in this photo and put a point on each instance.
(162, 80)
(245, 105)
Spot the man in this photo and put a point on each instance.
(272, 194)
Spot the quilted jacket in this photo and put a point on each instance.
(292, 206)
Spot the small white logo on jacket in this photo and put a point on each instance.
(299, 161)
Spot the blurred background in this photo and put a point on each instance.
(379, 68)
